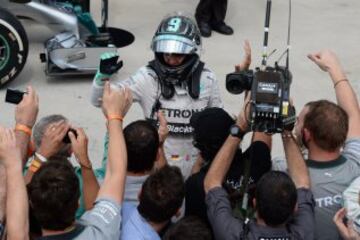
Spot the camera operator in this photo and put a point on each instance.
(278, 198)
(211, 128)
(331, 133)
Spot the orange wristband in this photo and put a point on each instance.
(35, 165)
(114, 117)
(23, 128)
(33, 169)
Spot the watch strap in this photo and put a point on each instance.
(239, 134)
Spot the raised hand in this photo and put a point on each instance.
(79, 145)
(9, 153)
(27, 110)
(347, 232)
(109, 63)
(52, 141)
(245, 64)
(328, 62)
(325, 59)
(163, 130)
(116, 102)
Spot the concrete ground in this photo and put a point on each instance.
(316, 25)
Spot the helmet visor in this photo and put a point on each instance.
(173, 44)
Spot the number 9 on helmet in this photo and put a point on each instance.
(178, 34)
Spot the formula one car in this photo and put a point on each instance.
(74, 50)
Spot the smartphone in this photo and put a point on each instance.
(66, 139)
(14, 96)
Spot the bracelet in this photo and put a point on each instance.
(86, 167)
(40, 157)
(114, 117)
(23, 128)
(342, 80)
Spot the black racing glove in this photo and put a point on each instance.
(109, 64)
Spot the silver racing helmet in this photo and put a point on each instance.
(177, 34)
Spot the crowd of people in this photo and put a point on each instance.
(180, 173)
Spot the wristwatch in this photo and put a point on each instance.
(236, 131)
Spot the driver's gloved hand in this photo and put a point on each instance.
(108, 65)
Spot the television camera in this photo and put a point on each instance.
(270, 108)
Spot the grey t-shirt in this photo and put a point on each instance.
(227, 227)
(100, 223)
(328, 181)
(132, 188)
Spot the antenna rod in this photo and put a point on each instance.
(266, 33)
(288, 38)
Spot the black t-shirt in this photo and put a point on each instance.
(260, 164)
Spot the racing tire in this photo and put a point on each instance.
(14, 46)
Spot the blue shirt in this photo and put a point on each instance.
(134, 226)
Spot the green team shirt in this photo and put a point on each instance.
(99, 174)
(328, 181)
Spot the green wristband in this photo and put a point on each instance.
(100, 78)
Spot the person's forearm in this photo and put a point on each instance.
(117, 149)
(2, 193)
(160, 158)
(197, 165)
(22, 141)
(346, 98)
(345, 95)
(28, 176)
(221, 163)
(17, 204)
(96, 94)
(90, 187)
(296, 164)
(117, 162)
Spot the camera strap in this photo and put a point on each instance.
(245, 185)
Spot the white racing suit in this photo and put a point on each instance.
(179, 150)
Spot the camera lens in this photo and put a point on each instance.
(235, 86)
(237, 82)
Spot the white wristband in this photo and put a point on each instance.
(40, 157)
